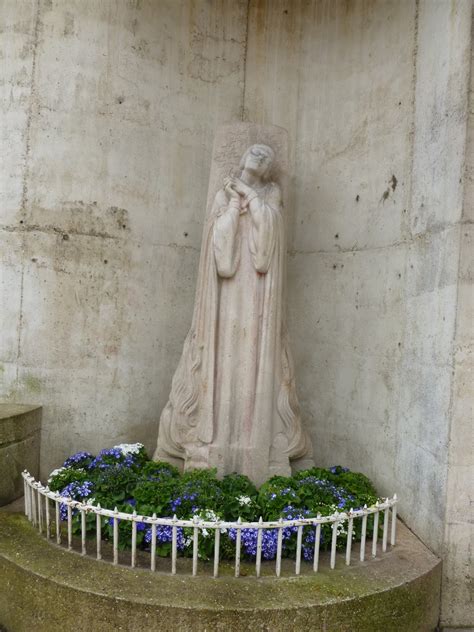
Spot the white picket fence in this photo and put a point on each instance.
(42, 507)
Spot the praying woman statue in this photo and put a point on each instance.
(233, 402)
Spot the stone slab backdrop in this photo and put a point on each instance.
(233, 402)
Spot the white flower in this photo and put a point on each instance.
(341, 529)
(55, 473)
(244, 500)
(209, 516)
(129, 448)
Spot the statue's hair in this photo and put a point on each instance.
(267, 149)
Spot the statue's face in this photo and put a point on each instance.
(258, 160)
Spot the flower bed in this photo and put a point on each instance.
(123, 477)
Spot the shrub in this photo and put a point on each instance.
(124, 477)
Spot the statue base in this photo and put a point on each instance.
(210, 456)
(47, 589)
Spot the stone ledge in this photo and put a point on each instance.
(17, 422)
(20, 428)
(44, 586)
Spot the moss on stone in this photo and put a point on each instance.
(46, 586)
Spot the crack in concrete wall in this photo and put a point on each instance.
(26, 167)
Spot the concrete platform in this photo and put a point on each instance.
(46, 588)
(20, 428)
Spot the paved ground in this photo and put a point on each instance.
(16, 506)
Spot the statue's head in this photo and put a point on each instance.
(258, 159)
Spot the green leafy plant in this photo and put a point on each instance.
(124, 477)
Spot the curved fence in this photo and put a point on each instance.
(43, 509)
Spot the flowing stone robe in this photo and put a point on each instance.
(233, 402)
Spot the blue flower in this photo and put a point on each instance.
(249, 541)
(308, 542)
(164, 534)
(175, 503)
(180, 500)
(110, 457)
(77, 458)
(75, 491)
(338, 469)
(292, 513)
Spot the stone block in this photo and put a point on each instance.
(20, 435)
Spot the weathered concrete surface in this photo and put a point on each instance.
(376, 226)
(20, 434)
(458, 596)
(398, 592)
(376, 279)
(109, 112)
(351, 130)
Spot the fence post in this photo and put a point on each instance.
(238, 538)
(334, 544)
(394, 520)
(83, 530)
(115, 527)
(153, 544)
(98, 532)
(217, 540)
(279, 548)
(195, 544)
(385, 526)
(174, 546)
(363, 534)
(349, 537)
(376, 530)
(258, 560)
(317, 542)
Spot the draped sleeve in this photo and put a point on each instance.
(226, 240)
(265, 212)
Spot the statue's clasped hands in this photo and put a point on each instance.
(235, 188)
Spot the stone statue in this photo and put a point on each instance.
(233, 402)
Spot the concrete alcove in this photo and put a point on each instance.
(109, 112)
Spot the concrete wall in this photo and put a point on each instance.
(352, 135)
(458, 598)
(374, 97)
(109, 114)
